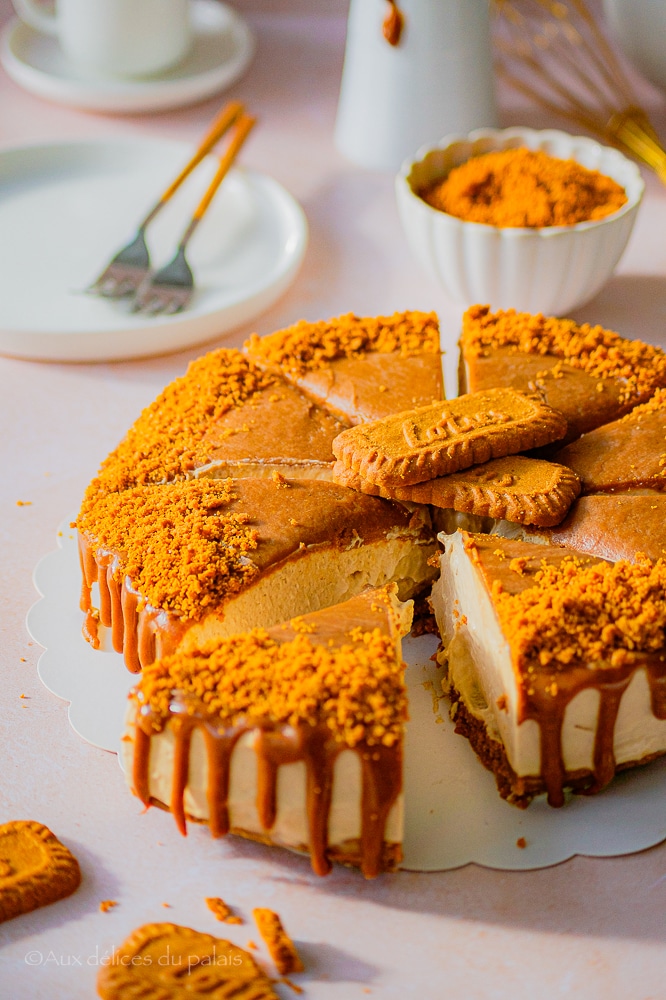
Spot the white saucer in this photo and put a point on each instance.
(453, 814)
(222, 49)
(66, 208)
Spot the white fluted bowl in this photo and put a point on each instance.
(550, 270)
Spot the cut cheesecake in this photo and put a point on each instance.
(556, 662)
(359, 368)
(626, 454)
(290, 735)
(216, 557)
(591, 375)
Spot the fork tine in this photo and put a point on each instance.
(173, 284)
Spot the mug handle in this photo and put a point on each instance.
(36, 16)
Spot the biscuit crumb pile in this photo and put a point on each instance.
(221, 911)
(603, 354)
(592, 614)
(525, 188)
(179, 546)
(357, 690)
(307, 346)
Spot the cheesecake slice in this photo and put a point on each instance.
(611, 526)
(217, 557)
(290, 735)
(627, 454)
(556, 662)
(591, 375)
(358, 368)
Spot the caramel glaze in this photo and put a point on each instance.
(138, 631)
(393, 25)
(548, 711)
(545, 695)
(381, 770)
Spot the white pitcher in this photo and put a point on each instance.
(437, 79)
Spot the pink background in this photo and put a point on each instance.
(586, 928)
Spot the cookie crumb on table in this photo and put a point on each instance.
(280, 946)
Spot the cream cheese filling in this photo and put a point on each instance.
(290, 828)
(481, 670)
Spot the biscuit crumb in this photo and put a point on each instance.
(252, 945)
(24, 503)
(221, 911)
(521, 843)
(292, 986)
(107, 904)
(502, 703)
(279, 944)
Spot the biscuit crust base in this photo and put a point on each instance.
(516, 789)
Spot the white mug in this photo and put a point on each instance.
(437, 79)
(116, 38)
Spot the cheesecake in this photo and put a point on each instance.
(555, 662)
(591, 375)
(213, 557)
(290, 735)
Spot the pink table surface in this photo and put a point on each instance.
(586, 928)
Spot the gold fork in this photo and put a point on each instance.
(129, 267)
(170, 289)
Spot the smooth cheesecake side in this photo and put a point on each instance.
(291, 735)
(551, 699)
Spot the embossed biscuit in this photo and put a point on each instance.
(168, 962)
(35, 868)
(514, 488)
(417, 445)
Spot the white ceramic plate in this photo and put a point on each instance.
(66, 208)
(221, 51)
(453, 812)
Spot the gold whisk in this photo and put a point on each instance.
(556, 53)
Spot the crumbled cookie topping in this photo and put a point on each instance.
(603, 354)
(164, 443)
(357, 690)
(180, 548)
(581, 613)
(306, 346)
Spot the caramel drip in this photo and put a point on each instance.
(319, 754)
(141, 765)
(182, 729)
(393, 25)
(117, 622)
(381, 769)
(548, 710)
(273, 748)
(145, 640)
(130, 602)
(382, 782)
(219, 748)
(604, 753)
(105, 609)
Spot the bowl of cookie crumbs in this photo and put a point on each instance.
(519, 218)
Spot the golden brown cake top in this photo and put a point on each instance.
(181, 547)
(615, 525)
(629, 453)
(307, 346)
(342, 671)
(571, 610)
(601, 353)
(163, 443)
